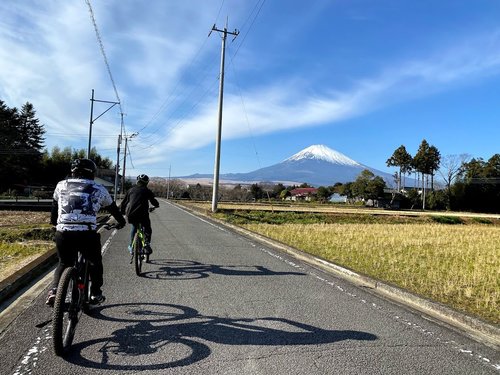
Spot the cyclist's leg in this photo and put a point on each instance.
(92, 241)
(133, 230)
(66, 254)
(148, 231)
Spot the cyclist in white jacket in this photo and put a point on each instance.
(75, 204)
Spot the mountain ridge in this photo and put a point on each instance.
(317, 165)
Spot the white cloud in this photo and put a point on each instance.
(53, 61)
(278, 108)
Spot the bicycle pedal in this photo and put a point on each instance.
(97, 300)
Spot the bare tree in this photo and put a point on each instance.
(451, 166)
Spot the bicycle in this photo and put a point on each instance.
(72, 298)
(138, 247)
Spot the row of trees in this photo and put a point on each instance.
(426, 162)
(469, 184)
(24, 162)
(366, 186)
(21, 144)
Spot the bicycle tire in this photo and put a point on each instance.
(65, 314)
(137, 254)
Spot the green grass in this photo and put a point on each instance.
(26, 233)
(448, 219)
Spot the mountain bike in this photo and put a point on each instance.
(72, 298)
(138, 247)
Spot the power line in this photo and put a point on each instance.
(251, 24)
(246, 113)
(103, 52)
(252, 17)
(170, 99)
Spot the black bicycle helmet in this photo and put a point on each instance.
(84, 168)
(143, 179)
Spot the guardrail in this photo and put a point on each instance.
(26, 204)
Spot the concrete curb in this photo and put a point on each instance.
(473, 327)
(15, 282)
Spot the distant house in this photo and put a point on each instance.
(106, 177)
(390, 199)
(108, 185)
(303, 194)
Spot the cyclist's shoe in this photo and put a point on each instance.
(97, 299)
(130, 250)
(51, 297)
(147, 249)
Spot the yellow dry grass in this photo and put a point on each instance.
(457, 265)
(15, 255)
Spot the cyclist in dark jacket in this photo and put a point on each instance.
(75, 204)
(135, 205)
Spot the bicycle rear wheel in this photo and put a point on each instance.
(138, 254)
(66, 310)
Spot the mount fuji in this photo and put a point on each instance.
(316, 165)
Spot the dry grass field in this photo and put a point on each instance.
(458, 265)
(24, 235)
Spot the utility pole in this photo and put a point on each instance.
(168, 181)
(125, 159)
(92, 119)
(124, 162)
(219, 128)
(117, 164)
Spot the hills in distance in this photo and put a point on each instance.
(316, 165)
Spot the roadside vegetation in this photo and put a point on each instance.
(448, 259)
(23, 236)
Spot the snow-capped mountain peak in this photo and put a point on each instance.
(321, 152)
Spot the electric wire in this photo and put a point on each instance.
(106, 62)
(168, 101)
(251, 25)
(103, 52)
(145, 138)
(245, 111)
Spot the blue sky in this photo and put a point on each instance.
(358, 76)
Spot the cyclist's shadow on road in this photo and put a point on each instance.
(179, 269)
(160, 336)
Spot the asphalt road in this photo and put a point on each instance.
(214, 302)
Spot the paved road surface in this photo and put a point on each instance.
(214, 302)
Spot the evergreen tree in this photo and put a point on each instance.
(368, 186)
(479, 188)
(21, 145)
(31, 129)
(434, 160)
(402, 159)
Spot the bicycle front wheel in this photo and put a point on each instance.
(138, 254)
(66, 310)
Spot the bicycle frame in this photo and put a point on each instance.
(139, 235)
(138, 249)
(83, 281)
